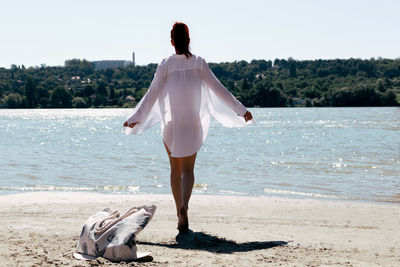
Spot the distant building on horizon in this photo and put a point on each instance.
(108, 64)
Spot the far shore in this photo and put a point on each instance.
(42, 229)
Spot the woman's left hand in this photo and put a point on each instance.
(130, 125)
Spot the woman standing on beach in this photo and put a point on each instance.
(183, 95)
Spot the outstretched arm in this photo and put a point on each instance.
(147, 102)
(223, 93)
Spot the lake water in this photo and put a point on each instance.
(344, 153)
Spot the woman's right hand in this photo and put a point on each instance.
(130, 125)
(247, 116)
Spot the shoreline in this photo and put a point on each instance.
(43, 228)
(387, 200)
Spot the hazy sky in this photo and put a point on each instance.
(51, 31)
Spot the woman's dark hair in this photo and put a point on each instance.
(180, 36)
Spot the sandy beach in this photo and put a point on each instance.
(42, 229)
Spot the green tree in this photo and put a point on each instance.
(43, 102)
(42, 92)
(100, 100)
(319, 102)
(265, 95)
(101, 89)
(312, 92)
(292, 68)
(60, 98)
(380, 85)
(79, 102)
(14, 100)
(30, 93)
(109, 73)
(89, 90)
(77, 67)
(389, 98)
(245, 85)
(112, 93)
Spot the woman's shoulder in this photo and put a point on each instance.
(181, 61)
(198, 58)
(198, 61)
(201, 63)
(173, 57)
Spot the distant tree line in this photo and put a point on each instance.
(259, 83)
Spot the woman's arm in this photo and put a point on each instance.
(147, 102)
(223, 93)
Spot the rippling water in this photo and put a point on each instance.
(345, 153)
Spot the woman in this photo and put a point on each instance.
(183, 95)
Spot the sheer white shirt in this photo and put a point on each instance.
(182, 96)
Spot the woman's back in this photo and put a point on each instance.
(182, 104)
(183, 83)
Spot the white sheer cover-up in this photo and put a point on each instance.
(182, 96)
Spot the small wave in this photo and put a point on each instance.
(313, 187)
(305, 194)
(30, 176)
(282, 184)
(392, 128)
(229, 192)
(200, 186)
(118, 188)
(128, 167)
(66, 177)
(388, 198)
(155, 186)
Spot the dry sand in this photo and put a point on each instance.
(42, 229)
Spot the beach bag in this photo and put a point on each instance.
(109, 235)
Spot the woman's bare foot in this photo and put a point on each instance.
(183, 221)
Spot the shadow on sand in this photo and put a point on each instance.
(210, 243)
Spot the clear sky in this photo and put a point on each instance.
(50, 31)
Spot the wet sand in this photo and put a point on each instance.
(42, 229)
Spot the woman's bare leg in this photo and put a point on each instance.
(182, 181)
(187, 179)
(187, 187)
(176, 179)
